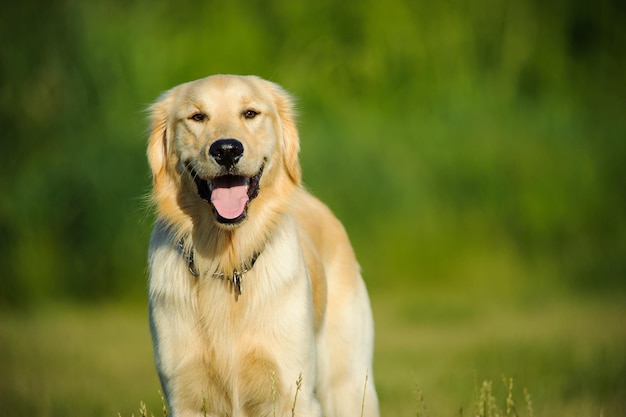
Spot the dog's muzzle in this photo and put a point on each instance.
(229, 195)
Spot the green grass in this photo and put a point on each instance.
(567, 353)
(76, 361)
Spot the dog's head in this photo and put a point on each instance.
(218, 143)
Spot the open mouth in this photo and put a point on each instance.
(228, 195)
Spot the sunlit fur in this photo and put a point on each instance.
(304, 308)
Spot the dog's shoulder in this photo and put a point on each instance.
(326, 248)
(317, 223)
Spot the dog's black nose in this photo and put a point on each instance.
(226, 152)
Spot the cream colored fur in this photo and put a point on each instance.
(304, 309)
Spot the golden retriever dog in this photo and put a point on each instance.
(257, 305)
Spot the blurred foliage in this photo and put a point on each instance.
(463, 144)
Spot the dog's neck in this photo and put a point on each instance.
(235, 277)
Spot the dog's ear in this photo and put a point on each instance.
(289, 133)
(158, 146)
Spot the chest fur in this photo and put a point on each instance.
(238, 351)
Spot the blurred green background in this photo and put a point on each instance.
(475, 151)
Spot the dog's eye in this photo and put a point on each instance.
(198, 117)
(250, 114)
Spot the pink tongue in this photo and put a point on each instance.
(230, 202)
